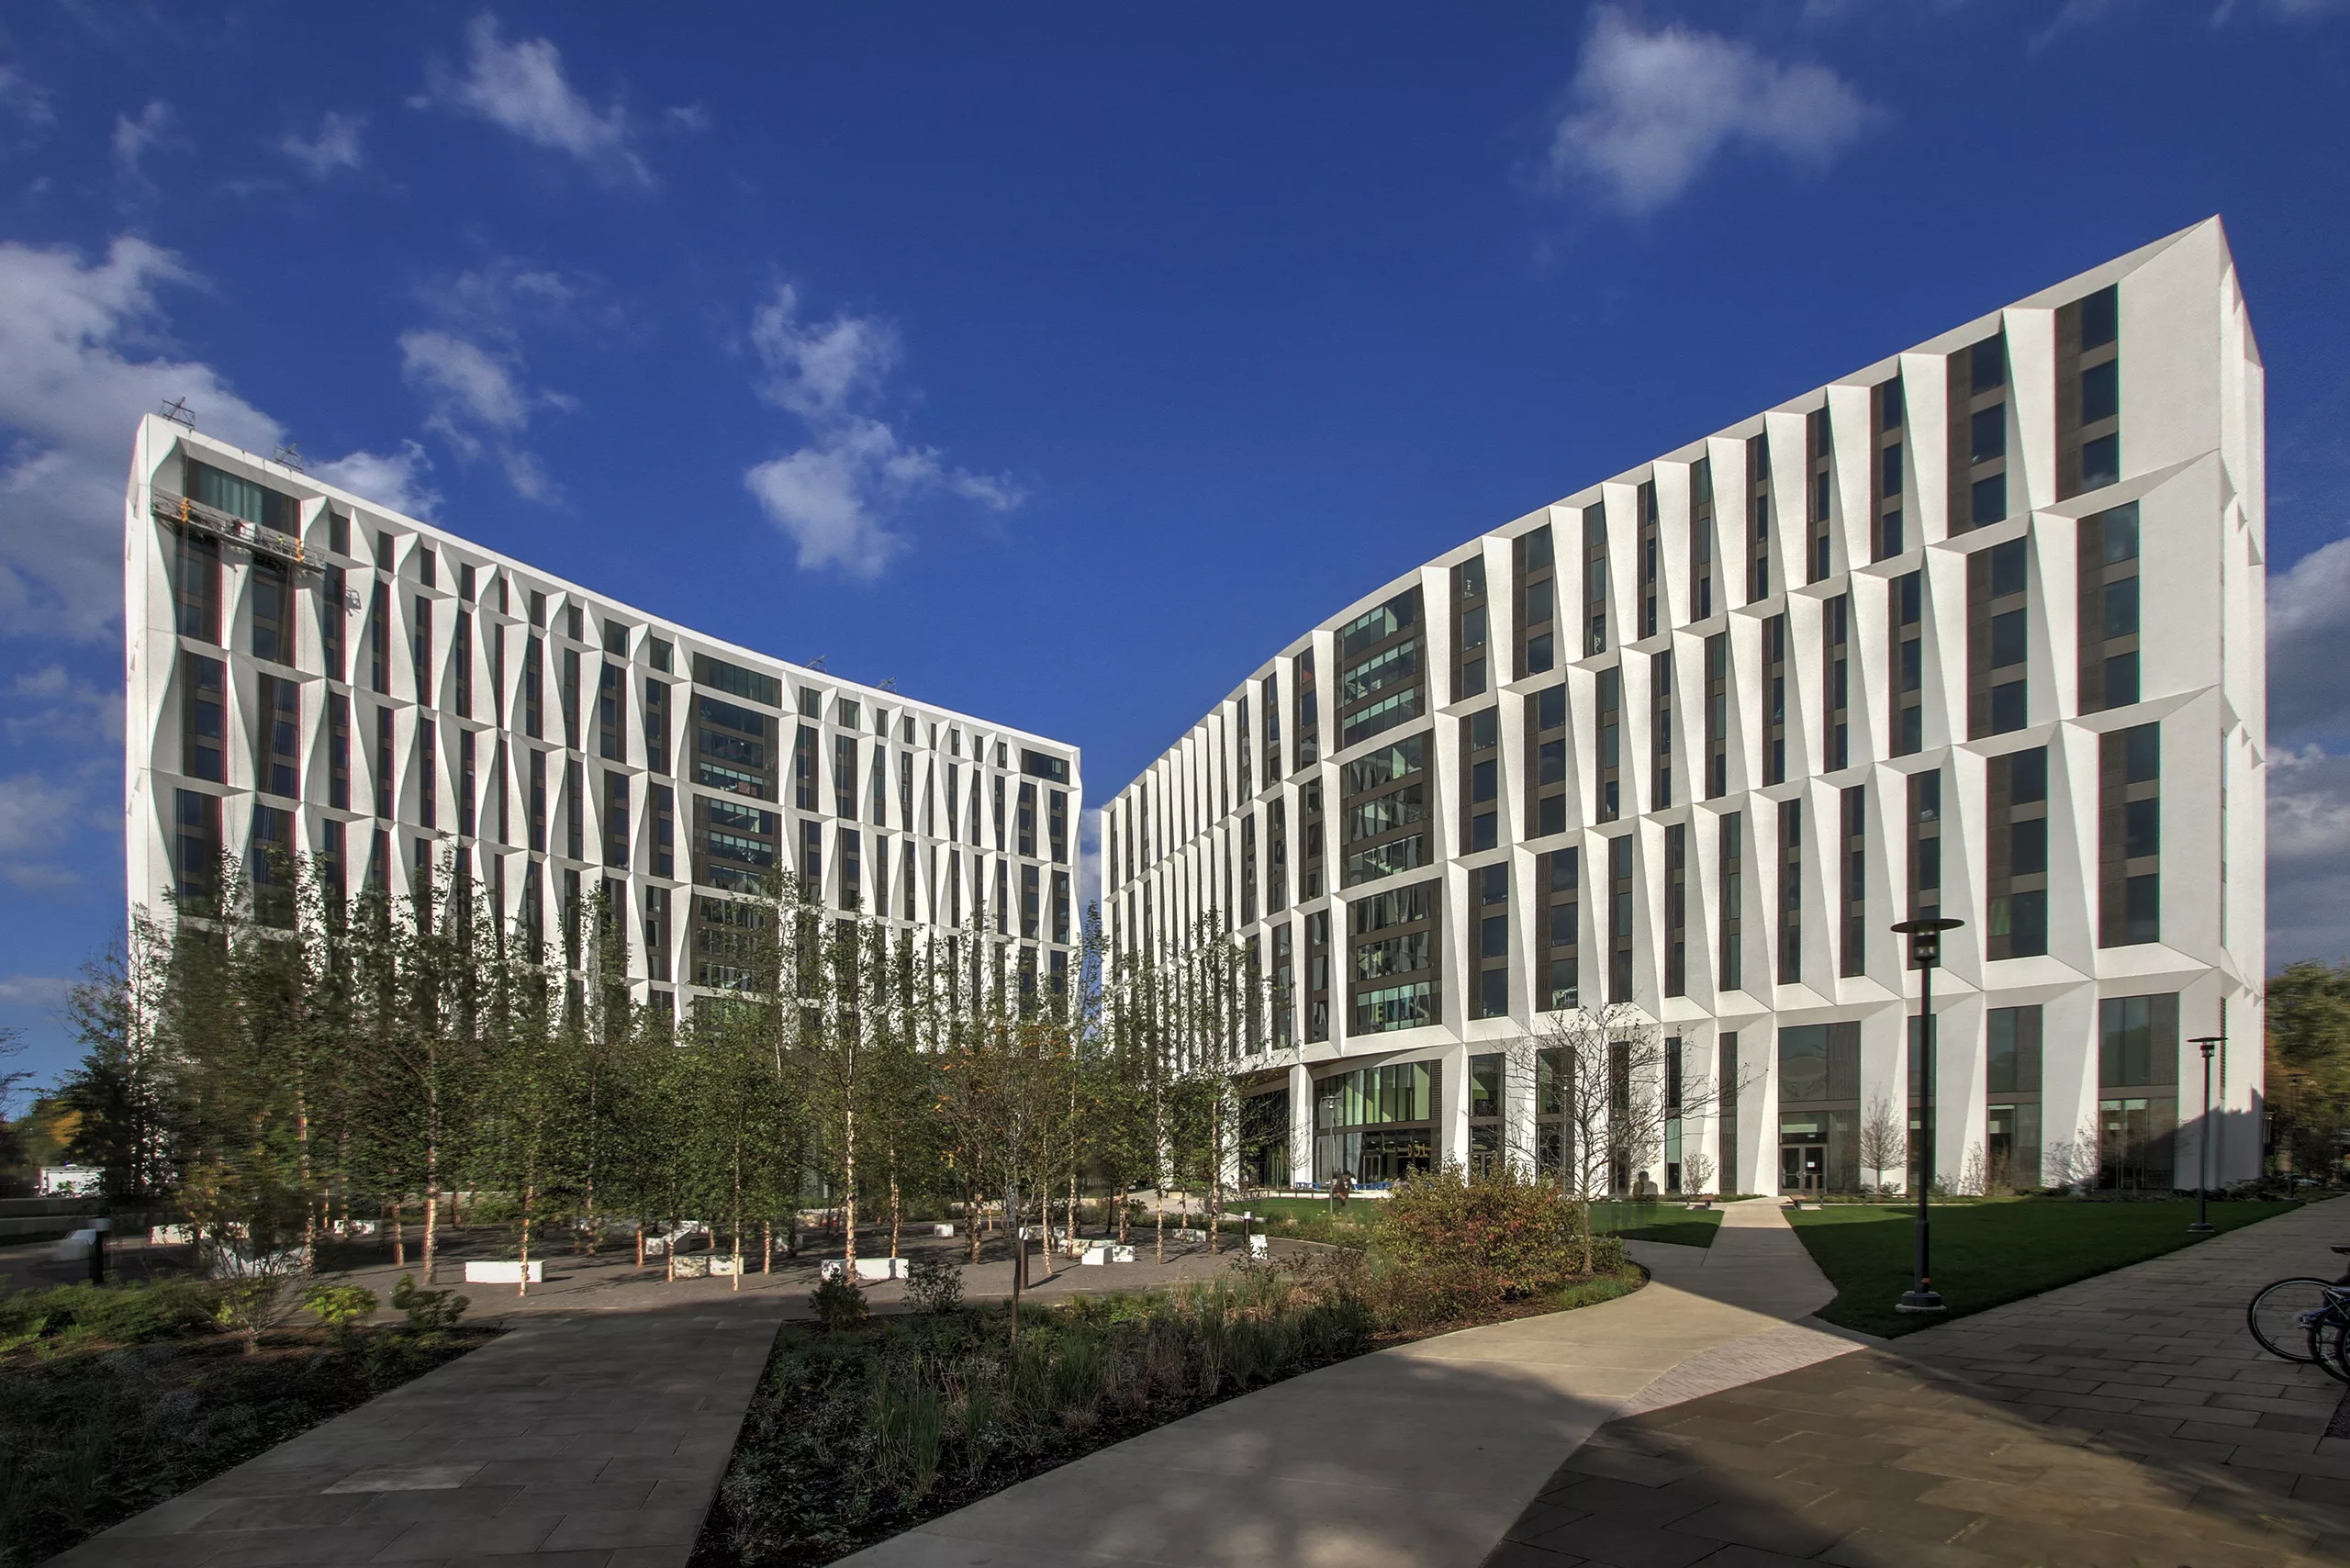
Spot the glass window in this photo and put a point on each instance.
(1990, 499)
(2101, 392)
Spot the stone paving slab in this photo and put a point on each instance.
(568, 1442)
(2128, 1419)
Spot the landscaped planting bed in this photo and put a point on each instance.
(113, 1399)
(867, 1429)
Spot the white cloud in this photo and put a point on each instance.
(33, 990)
(520, 87)
(133, 138)
(36, 815)
(391, 479)
(71, 390)
(2308, 856)
(1649, 110)
(836, 496)
(24, 98)
(478, 400)
(816, 370)
(64, 709)
(465, 384)
(2308, 626)
(334, 145)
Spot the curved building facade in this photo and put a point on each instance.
(1692, 739)
(309, 670)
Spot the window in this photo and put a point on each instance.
(1730, 903)
(1978, 440)
(1774, 699)
(1676, 909)
(1619, 918)
(1609, 726)
(2137, 1091)
(1701, 539)
(1594, 579)
(1909, 674)
(2107, 573)
(2088, 394)
(1891, 423)
(278, 736)
(1852, 866)
(195, 844)
(1660, 729)
(1480, 757)
(338, 751)
(1537, 572)
(720, 675)
(1469, 638)
(2012, 1090)
(2130, 839)
(1758, 509)
(1490, 884)
(1717, 716)
(1560, 878)
(1546, 723)
(1791, 892)
(272, 607)
(2016, 878)
(1997, 635)
(1836, 641)
(203, 717)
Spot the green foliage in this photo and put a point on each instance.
(852, 1438)
(837, 1303)
(340, 1309)
(70, 1318)
(427, 1311)
(2308, 1009)
(933, 1284)
(1497, 1237)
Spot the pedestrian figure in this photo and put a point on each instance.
(1339, 1189)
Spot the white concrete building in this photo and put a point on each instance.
(1693, 738)
(307, 669)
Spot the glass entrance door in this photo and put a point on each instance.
(1803, 1168)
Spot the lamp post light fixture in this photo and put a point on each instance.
(1925, 957)
(2203, 1136)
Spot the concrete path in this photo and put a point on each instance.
(1417, 1457)
(2126, 1419)
(570, 1442)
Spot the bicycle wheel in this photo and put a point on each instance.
(2330, 1337)
(2275, 1314)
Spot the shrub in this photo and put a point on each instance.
(837, 1303)
(427, 1311)
(935, 1285)
(1502, 1235)
(340, 1309)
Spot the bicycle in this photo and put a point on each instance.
(2306, 1320)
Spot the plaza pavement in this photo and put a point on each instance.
(1706, 1419)
(2128, 1419)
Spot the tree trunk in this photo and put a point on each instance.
(766, 1242)
(1019, 1258)
(1216, 1175)
(640, 1244)
(848, 1193)
(897, 1210)
(522, 1276)
(399, 1238)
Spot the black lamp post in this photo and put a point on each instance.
(2203, 1136)
(1925, 957)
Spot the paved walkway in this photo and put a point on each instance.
(2127, 1419)
(569, 1443)
(1418, 1456)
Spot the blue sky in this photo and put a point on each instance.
(951, 343)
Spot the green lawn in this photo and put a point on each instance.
(1987, 1253)
(1314, 1220)
(1658, 1222)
